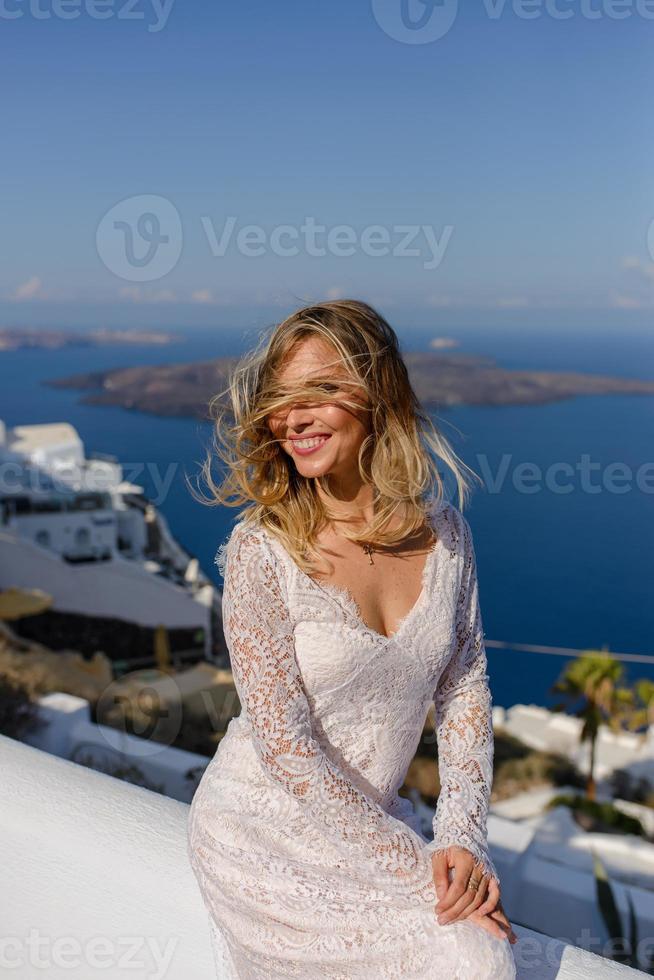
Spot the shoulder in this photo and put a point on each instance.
(250, 567)
(452, 528)
(245, 543)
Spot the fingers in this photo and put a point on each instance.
(497, 924)
(492, 899)
(507, 929)
(478, 898)
(460, 899)
(488, 923)
(457, 901)
(469, 901)
(440, 866)
(462, 862)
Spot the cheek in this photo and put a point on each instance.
(348, 427)
(337, 419)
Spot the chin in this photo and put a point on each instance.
(313, 471)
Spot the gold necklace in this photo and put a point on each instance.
(368, 548)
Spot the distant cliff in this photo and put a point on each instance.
(56, 339)
(439, 380)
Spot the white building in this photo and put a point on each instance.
(74, 528)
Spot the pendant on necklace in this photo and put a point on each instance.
(368, 550)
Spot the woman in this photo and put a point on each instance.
(350, 603)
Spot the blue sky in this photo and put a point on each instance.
(511, 158)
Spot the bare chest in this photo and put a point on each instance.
(385, 586)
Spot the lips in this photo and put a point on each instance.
(309, 435)
(316, 443)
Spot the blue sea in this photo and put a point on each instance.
(563, 523)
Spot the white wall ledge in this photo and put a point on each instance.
(96, 883)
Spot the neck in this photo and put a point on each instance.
(351, 502)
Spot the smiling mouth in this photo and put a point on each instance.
(308, 445)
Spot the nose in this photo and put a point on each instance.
(298, 417)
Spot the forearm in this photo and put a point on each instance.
(465, 763)
(464, 725)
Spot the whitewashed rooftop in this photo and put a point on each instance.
(96, 883)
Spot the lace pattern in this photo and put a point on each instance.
(464, 726)
(305, 853)
(259, 634)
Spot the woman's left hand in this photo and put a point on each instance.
(456, 900)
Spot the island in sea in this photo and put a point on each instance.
(439, 380)
(26, 338)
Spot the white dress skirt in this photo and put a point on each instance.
(310, 864)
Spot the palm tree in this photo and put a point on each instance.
(594, 678)
(642, 713)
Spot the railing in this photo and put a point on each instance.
(634, 658)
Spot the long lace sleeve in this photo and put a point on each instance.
(260, 640)
(464, 726)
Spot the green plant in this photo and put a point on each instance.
(594, 678)
(642, 714)
(530, 769)
(19, 714)
(601, 817)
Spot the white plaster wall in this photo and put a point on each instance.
(71, 734)
(119, 587)
(97, 870)
(550, 730)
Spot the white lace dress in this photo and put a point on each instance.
(309, 862)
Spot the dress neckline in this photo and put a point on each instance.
(343, 596)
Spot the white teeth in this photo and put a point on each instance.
(309, 443)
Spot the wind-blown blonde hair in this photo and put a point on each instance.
(398, 458)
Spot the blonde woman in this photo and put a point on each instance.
(350, 603)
